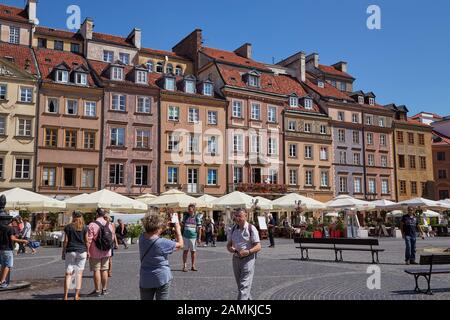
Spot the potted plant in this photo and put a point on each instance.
(134, 231)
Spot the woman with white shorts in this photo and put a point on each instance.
(75, 252)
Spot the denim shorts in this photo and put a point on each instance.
(7, 258)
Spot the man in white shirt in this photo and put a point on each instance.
(243, 243)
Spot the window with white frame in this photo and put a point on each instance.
(124, 57)
(355, 137)
(272, 146)
(52, 105)
(116, 174)
(72, 107)
(193, 143)
(342, 157)
(272, 114)
(89, 140)
(308, 104)
(308, 152)
(255, 144)
(178, 71)
(238, 143)
(369, 120)
(307, 127)
(293, 150)
(384, 161)
(343, 185)
(26, 94)
(212, 117)
(343, 86)
(357, 185)
(159, 67)
(372, 186)
(208, 89)
(141, 175)
(117, 137)
(212, 177)
(385, 186)
(355, 118)
(143, 104)
(309, 178)
(293, 177)
(238, 175)
(173, 142)
(324, 179)
(22, 169)
(383, 140)
(369, 138)
(237, 109)
(81, 78)
(212, 145)
(14, 35)
(293, 101)
(253, 81)
(194, 115)
(88, 178)
(24, 127)
(323, 129)
(172, 175)
(169, 84)
(141, 77)
(357, 159)
(119, 102)
(341, 116)
(149, 65)
(3, 91)
(341, 135)
(372, 101)
(62, 76)
(90, 109)
(360, 99)
(2, 125)
(189, 86)
(49, 177)
(382, 122)
(142, 139)
(255, 111)
(292, 125)
(108, 56)
(323, 153)
(169, 68)
(371, 159)
(174, 113)
(273, 176)
(117, 73)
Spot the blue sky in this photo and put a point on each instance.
(406, 62)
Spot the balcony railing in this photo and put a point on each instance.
(193, 188)
(258, 188)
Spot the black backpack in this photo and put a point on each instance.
(104, 241)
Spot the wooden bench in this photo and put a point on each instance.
(430, 260)
(338, 245)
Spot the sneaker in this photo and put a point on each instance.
(94, 294)
(105, 292)
(4, 285)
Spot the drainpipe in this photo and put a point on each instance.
(158, 145)
(364, 156)
(36, 137)
(394, 147)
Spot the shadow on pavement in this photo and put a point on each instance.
(344, 262)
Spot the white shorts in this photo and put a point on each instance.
(190, 244)
(75, 260)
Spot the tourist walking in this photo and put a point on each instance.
(75, 253)
(209, 232)
(26, 235)
(191, 227)
(408, 227)
(243, 243)
(271, 228)
(100, 243)
(114, 247)
(155, 274)
(121, 233)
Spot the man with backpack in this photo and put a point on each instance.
(243, 243)
(101, 241)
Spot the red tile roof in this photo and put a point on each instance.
(117, 40)
(419, 115)
(57, 33)
(417, 123)
(327, 91)
(13, 14)
(22, 56)
(49, 59)
(331, 70)
(162, 53)
(445, 140)
(231, 57)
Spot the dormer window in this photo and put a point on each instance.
(141, 77)
(149, 66)
(169, 84)
(253, 80)
(178, 71)
(372, 101)
(124, 58)
(308, 104)
(208, 89)
(189, 86)
(360, 99)
(81, 78)
(343, 86)
(169, 69)
(293, 101)
(321, 84)
(62, 76)
(117, 73)
(108, 56)
(159, 67)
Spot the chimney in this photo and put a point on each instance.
(313, 60)
(245, 51)
(87, 28)
(136, 37)
(31, 9)
(296, 65)
(190, 46)
(341, 66)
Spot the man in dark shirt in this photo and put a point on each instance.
(408, 227)
(7, 240)
(271, 227)
(121, 233)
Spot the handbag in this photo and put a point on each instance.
(34, 244)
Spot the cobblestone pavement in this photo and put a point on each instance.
(280, 275)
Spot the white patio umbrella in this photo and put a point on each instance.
(431, 214)
(106, 199)
(175, 199)
(288, 202)
(264, 204)
(427, 213)
(332, 214)
(347, 202)
(234, 200)
(420, 202)
(20, 199)
(382, 204)
(146, 198)
(208, 200)
(395, 213)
